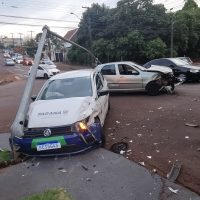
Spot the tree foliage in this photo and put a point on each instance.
(137, 30)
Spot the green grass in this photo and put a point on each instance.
(5, 156)
(54, 194)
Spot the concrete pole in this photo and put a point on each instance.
(17, 128)
(13, 39)
(172, 39)
(20, 36)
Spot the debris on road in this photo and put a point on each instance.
(142, 163)
(96, 172)
(84, 167)
(187, 137)
(118, 147)
(122, 152)
(191, 125)
(130, 141)
(154, 170)
(117, 122)
(128, 124)
(174, 172)
(160, 108)
(61, 169)
(88, 179)
(149, 157)
(173, 190)
(139, 135)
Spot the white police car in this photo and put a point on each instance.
(67, 115)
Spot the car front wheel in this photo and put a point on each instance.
(46, 76)
(153, 88)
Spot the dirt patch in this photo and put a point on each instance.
(7, 77)
(154, 128)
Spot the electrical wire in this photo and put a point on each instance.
(35, 18)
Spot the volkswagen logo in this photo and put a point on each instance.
(47, 132)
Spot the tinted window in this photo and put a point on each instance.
(126, 69)
(108, 70)
(67, 88)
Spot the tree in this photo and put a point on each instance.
(155, 49)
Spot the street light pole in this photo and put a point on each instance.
(172, 38)
(13, 39)
(20, 36)
(31, 34)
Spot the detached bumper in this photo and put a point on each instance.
(70, 144)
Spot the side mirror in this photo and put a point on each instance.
(103, 93)
(33, 98)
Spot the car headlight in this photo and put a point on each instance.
(81, 127)
(194, 70)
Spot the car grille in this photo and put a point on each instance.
(39, 132)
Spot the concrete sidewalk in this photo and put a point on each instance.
(97, 175)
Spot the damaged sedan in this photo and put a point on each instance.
(129, 76)
(67, 115)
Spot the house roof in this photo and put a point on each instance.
(70, 35)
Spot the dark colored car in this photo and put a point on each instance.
(181, 69)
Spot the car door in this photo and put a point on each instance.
(102, 101)
(130, 77)
(40, 72)
(111, 76)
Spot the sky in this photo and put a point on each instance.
(52, 9)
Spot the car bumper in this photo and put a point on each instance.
(71, 144)
(193, 76)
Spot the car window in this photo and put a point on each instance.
(67, 88)
(108, 70)
(99, 83)
(40, 68)
(126, 69)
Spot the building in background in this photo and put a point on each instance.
(7, 42)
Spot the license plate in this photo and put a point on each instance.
(48, 146)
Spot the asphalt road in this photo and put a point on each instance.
(153, 127)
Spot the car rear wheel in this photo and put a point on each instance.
(153, 88)
(46, 76)
(182, 77)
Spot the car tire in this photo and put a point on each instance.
(46, 76)
(153, 88)
(103, 138)
(182, 77)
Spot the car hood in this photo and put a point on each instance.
(191, 67)
(59, 112)
(158, 68)
(52, 70)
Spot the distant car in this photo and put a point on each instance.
(19, 60)
(47, 63)
(67, 116)
(6, 55)
(27, 61)
(9, 62)
(46, 71)
(16, 55)
(181, 69)
(129, 76)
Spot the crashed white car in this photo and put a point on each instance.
(129, 76)
(67, 115)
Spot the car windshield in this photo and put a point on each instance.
(178, 61)
(138, 66)
(67, 88)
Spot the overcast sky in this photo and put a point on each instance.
(52, 9)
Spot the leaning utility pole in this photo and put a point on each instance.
(20, 35)
(13, 39)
